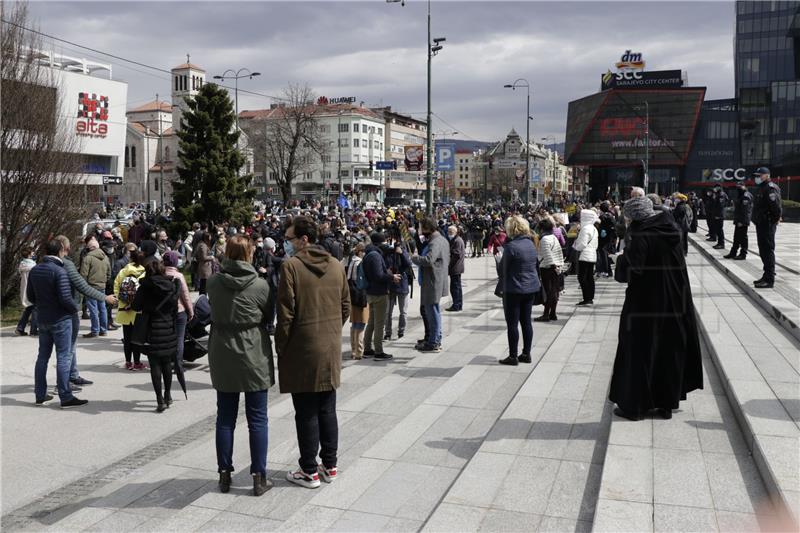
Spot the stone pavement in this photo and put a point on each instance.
(440, 442)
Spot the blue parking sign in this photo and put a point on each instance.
(445, 157)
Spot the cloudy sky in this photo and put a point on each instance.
(376, 51)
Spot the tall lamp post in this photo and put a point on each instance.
(434, 47)
(236, 76)
(553, 192)
(528, 118)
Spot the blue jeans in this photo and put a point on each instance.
(98, 315)
(73, 366)
(28, 313)
(256, 412)
(433, 317)
(60, 335)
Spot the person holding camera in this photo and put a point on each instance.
(398, 262)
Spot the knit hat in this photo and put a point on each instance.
(171, 259)
(149, 248)
(377, 238)
(269, 243)
(638, 208)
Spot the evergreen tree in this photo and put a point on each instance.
(208, 187)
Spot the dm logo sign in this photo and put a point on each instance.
(630, 61)
(92, 115)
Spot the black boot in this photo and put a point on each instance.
(625, 414)
(260, 484)
(224, 481)
(524, 358)
(729, 255)
(510, 360)
(666, 414)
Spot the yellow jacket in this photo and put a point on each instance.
(126, 316)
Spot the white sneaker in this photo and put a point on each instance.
(298, 477)
(327, 474)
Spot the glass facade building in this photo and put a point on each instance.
(767, 63)
(716, 143)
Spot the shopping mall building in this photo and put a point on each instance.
(653, 123)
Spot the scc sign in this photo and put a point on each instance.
(727, 174)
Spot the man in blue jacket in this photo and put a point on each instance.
(379, 279)
(49, 290)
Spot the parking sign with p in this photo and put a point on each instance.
(445, 157)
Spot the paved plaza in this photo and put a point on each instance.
(438, 442)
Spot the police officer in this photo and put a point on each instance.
(716, 212)
(766, 215)
(742, 213)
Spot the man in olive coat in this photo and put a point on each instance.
(313, 305)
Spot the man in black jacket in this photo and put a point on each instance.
(742, 213)
(766, 215)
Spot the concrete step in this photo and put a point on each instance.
(781, 302)
(725, 461)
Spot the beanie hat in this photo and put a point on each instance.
(377, 238)
(269, 243)
(638, 208)
(171, 259)
(148, 248)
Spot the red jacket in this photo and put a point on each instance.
(497, 240)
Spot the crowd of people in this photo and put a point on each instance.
(300, 274)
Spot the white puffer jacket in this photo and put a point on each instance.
(586, 243)
(550, 252)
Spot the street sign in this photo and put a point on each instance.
(508, 163)
(536, 175)
(112, 180)
(384, 165)
(445, 156)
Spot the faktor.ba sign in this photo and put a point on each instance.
(92, 115)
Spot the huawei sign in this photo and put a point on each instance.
(92, 115)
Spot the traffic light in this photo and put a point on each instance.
(370, 165)
(491, 163)
(394, 164)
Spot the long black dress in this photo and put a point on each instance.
(658, 357)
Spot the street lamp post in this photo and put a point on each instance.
(434, 47)
(528, 118)
(236, 76)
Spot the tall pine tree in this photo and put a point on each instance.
(208, 188)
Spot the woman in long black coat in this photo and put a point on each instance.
(157, 298)
(658, 357)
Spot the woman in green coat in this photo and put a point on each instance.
(240, 358)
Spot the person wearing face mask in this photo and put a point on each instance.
(313, 306)
(766, 215)
(716, 215)
(742, 214)
(433, 270)
(205, 262)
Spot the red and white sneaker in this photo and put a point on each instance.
(140, 366)
(129, 366)
(328, 475)
(298, 477)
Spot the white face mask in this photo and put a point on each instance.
(759, 180)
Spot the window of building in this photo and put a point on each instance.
(343, 143)
(356, 173)
(176, 83)
(166, 154)
(326, 158)
(380, 131)
(127, 156)
(355, 127)
(345, 173)
(364, 128)
(133, 157)
(344, 128)
(155, 184)
(355, 143)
